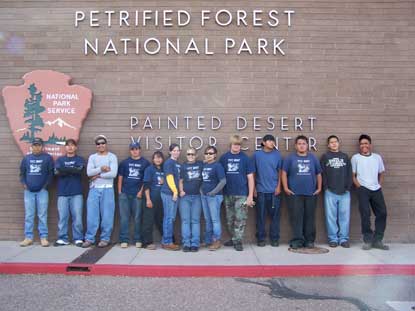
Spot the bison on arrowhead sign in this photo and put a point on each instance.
(46, 107)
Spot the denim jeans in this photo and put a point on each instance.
(337, 209)
(32, 201)
(100, 205)
(372, 199)
(130, 205)
(190, 210)
(302, 209)
(211, 212)
(170, 210)
(70, 205)
(268, 203)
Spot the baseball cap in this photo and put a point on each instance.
(37, 141)
(135, 145)
(100, 138)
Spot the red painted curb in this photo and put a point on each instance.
(206, 271)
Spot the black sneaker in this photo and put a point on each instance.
(228, 243)
(194, 249)
(238, 246)
(380, 245)
(186, 249)
(261, 243)
(367, 246)
(333, 244)
(309, 245)
(275, 243)
(345, 244)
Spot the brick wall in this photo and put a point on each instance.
(350, 64)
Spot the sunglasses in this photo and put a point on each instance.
(191, 154)
(100, 143)
(209, 153)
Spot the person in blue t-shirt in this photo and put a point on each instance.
(239, 190)
(214, 180)
(130, 191)
(153, 211)
(267, 164)
(302, 182)
(36, 174)
(190, 206)
(69, 169)
(170, 197)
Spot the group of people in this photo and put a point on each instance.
(151, 193)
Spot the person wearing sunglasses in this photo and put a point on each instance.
(214, 180)
(170, 197)
(101, 169)
(190, 206)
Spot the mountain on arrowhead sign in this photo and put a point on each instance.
(46, 106)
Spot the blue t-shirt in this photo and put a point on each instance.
(132, 172)
(192, 177)
(237, 167)
(267, 166)
(171, 167)
(36, 171)
(69, 171)
(154, 176)
(302, 173)
(212, 174)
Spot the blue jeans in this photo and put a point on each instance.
(268, 203)
(211, 211)
(33, 200)
(100, 204)
(337, 208)
(130, 205)
(72, 205)
(170, 210)
(190, 210)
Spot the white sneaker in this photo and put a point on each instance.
(138, 244)
(78, 243)
(60, 243)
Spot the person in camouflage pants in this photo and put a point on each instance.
(238, 192)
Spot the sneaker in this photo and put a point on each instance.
(150, 247)
(367, 246)
(260, 243)
(44, 242)
(380, 245)
(170, 247)
(238, 246)
(60, 243)
(124, 245)
(275, 243)
(79, 243)
(215, 246)
(194, 249)
(26, 242)
(309, 245)
(103, 244)
(87, 244)
(138, 244)
(186, 249)
(345, 244)
(228, 243)
(333, 244)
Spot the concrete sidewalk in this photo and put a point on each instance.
(254, 261)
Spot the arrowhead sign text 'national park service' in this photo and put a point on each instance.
(46, 106)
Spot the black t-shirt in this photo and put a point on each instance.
(336, 172)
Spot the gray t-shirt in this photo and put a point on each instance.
(95, 161)
(367, 169)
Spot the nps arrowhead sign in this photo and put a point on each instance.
(46, 107)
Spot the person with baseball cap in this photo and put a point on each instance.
(36, 174)
(131, 194)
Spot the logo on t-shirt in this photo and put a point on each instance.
(336, 163)
(35, 169)
(206, 174)
(193, 174)
(303, 167)
(233, 167)
(133, 172)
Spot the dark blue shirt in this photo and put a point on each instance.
(267, 166)
(154, 176)
(132, 172)
(69, 171)
(237, 167)
(302, 173)
(36, 171)
(192, 177)
(171, 167)
(212, 174)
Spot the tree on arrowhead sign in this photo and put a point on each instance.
(46, 106)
